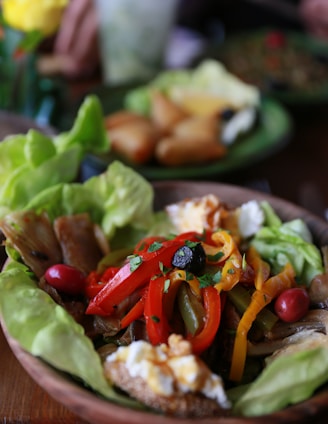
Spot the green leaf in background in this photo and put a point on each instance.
(26, 182)
(88, 129)
(33, 162)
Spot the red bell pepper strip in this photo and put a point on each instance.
(136, 311)
(156, 321)
(95, 281)
(126, 281)
(212, 304)
(145, 243)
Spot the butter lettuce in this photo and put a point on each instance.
(287, 380)
(30, 163)
(115, 199)
(47, 331)
(279, 243)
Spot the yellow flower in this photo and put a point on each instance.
(31, 15)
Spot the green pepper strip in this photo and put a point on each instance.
(191, 309)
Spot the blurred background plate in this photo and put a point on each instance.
(289, 66)
(269, 136)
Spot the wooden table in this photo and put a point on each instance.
(302, 163)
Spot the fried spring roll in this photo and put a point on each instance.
(199, 128)
(134, 141)
(165, 113)
(174, 151)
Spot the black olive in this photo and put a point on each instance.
(190, 257)
(227, 114)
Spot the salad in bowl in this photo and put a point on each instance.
(179, 299)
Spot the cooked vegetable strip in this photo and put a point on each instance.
(223, 247)
(156, 321)
(231, 272)
(136, 311)
(129, 278)
(212, 305)
(261, 268)
(191, 309)
(260, 298)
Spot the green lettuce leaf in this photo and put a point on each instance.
(287, 380)
(33, 162)
(26, 182)
(279, 243)
(118, 198)
(43, 328)
(88, 130)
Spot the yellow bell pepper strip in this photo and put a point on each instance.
(128, 278)
(221, 247)
(212, 305)
(137, 310)
(231, 272)
(157, 326)
(261, 268)
(260, 298)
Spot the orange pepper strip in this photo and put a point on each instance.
(231, 272)
(261, 268)
(224, 246)
(260, 298)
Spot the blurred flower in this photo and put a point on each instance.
(35, 20)
(31, 15)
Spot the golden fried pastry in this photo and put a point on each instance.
(135, 141)
(177, 151)
(123, 117)
(165, 113)
(198, 127)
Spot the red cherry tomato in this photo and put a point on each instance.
(66, 279)
(292, 304)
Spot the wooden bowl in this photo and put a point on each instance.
(96, 410)
(11, 123)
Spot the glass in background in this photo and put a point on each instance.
(134, 35)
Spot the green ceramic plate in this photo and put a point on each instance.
(270, 135)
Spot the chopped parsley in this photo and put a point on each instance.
(207, 280)
(135, 262)
(216, 257)
(156, 245)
